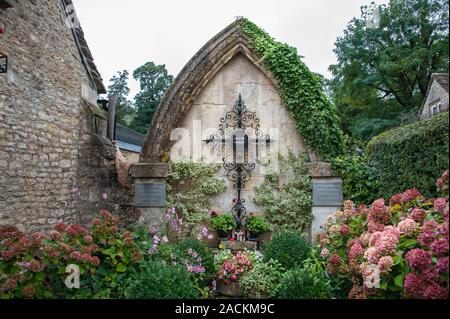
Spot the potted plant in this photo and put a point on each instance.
(256, 225)
(224, 224)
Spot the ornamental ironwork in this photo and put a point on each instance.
(239, 129)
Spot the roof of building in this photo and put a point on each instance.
(442, 79)
(83, 48)
(128, 139)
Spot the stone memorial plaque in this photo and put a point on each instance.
(151, 194)
(327, 193)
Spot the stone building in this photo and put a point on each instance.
(55, 160)
(436, 99)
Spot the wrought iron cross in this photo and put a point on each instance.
(236, 129)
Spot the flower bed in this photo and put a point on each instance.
(395, 250)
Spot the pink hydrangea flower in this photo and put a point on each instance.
(410, 194)
(440, 246)
(372, 255)
(385, 264)
(434, 291)
(407, 226)
(418, 259)
(442, 264)
(440, 204)
(414, 285)
(418, 214)
(324, 252)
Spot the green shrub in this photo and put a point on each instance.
(189, 189)
(257, 224)
(263, 280)
(303, 283)
(157, 280)
(289, 248)
(411, 156)
(287, 207)
(224, 222)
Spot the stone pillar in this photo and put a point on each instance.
(327, 195)
(150, 189)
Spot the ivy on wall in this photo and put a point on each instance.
(190, 187)
(315, 116)
(302, 94)
(287, 206)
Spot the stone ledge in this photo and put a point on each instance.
(239, 245)
(149, 170)
(321, 169)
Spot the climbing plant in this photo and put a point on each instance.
(189, 189)
(287, 206)
(315, 116)
(302, 93)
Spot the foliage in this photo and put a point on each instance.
(35, 265)
(119, 88)
(189, 187)
(411, 156)
(257, 224)
(263, 280)
(224, 222)
(359, 182)
(154, 80)
(302, 283)
(302, 92)
(288, 206)
(289, 248)
(156, 280)
(398, 250)
(383, 72)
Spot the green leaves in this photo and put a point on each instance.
(301, 92)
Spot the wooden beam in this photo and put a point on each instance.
(111, 116)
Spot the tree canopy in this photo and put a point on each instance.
(383, 70)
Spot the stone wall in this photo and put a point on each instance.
(48, 145)
(436, 95)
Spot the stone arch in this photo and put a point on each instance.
(190, 82)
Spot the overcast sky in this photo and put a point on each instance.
(123, 35)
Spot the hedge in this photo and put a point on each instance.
(411, 156)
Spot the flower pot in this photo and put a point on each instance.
(231, 289)
(252, 236)
(224, 235)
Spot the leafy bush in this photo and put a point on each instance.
(224, 222)
(287, 207)
(411, 156)
(398, 250)
(157, 280)
(302, 283)
(189, 189)
(35, 265)
(290, 249)
(263, 280)
(257, 224)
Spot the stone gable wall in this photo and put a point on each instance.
(436, 92)
(47, 141)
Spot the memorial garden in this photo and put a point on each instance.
(249, 183)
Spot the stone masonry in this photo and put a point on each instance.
(55, 162)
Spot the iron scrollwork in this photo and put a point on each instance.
(237, 128)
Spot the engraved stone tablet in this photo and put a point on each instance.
(327, 192)
(151, 194)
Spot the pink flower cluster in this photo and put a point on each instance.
(233, 268)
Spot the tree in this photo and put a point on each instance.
(154, 81)
(383, 71)
(119, 88)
